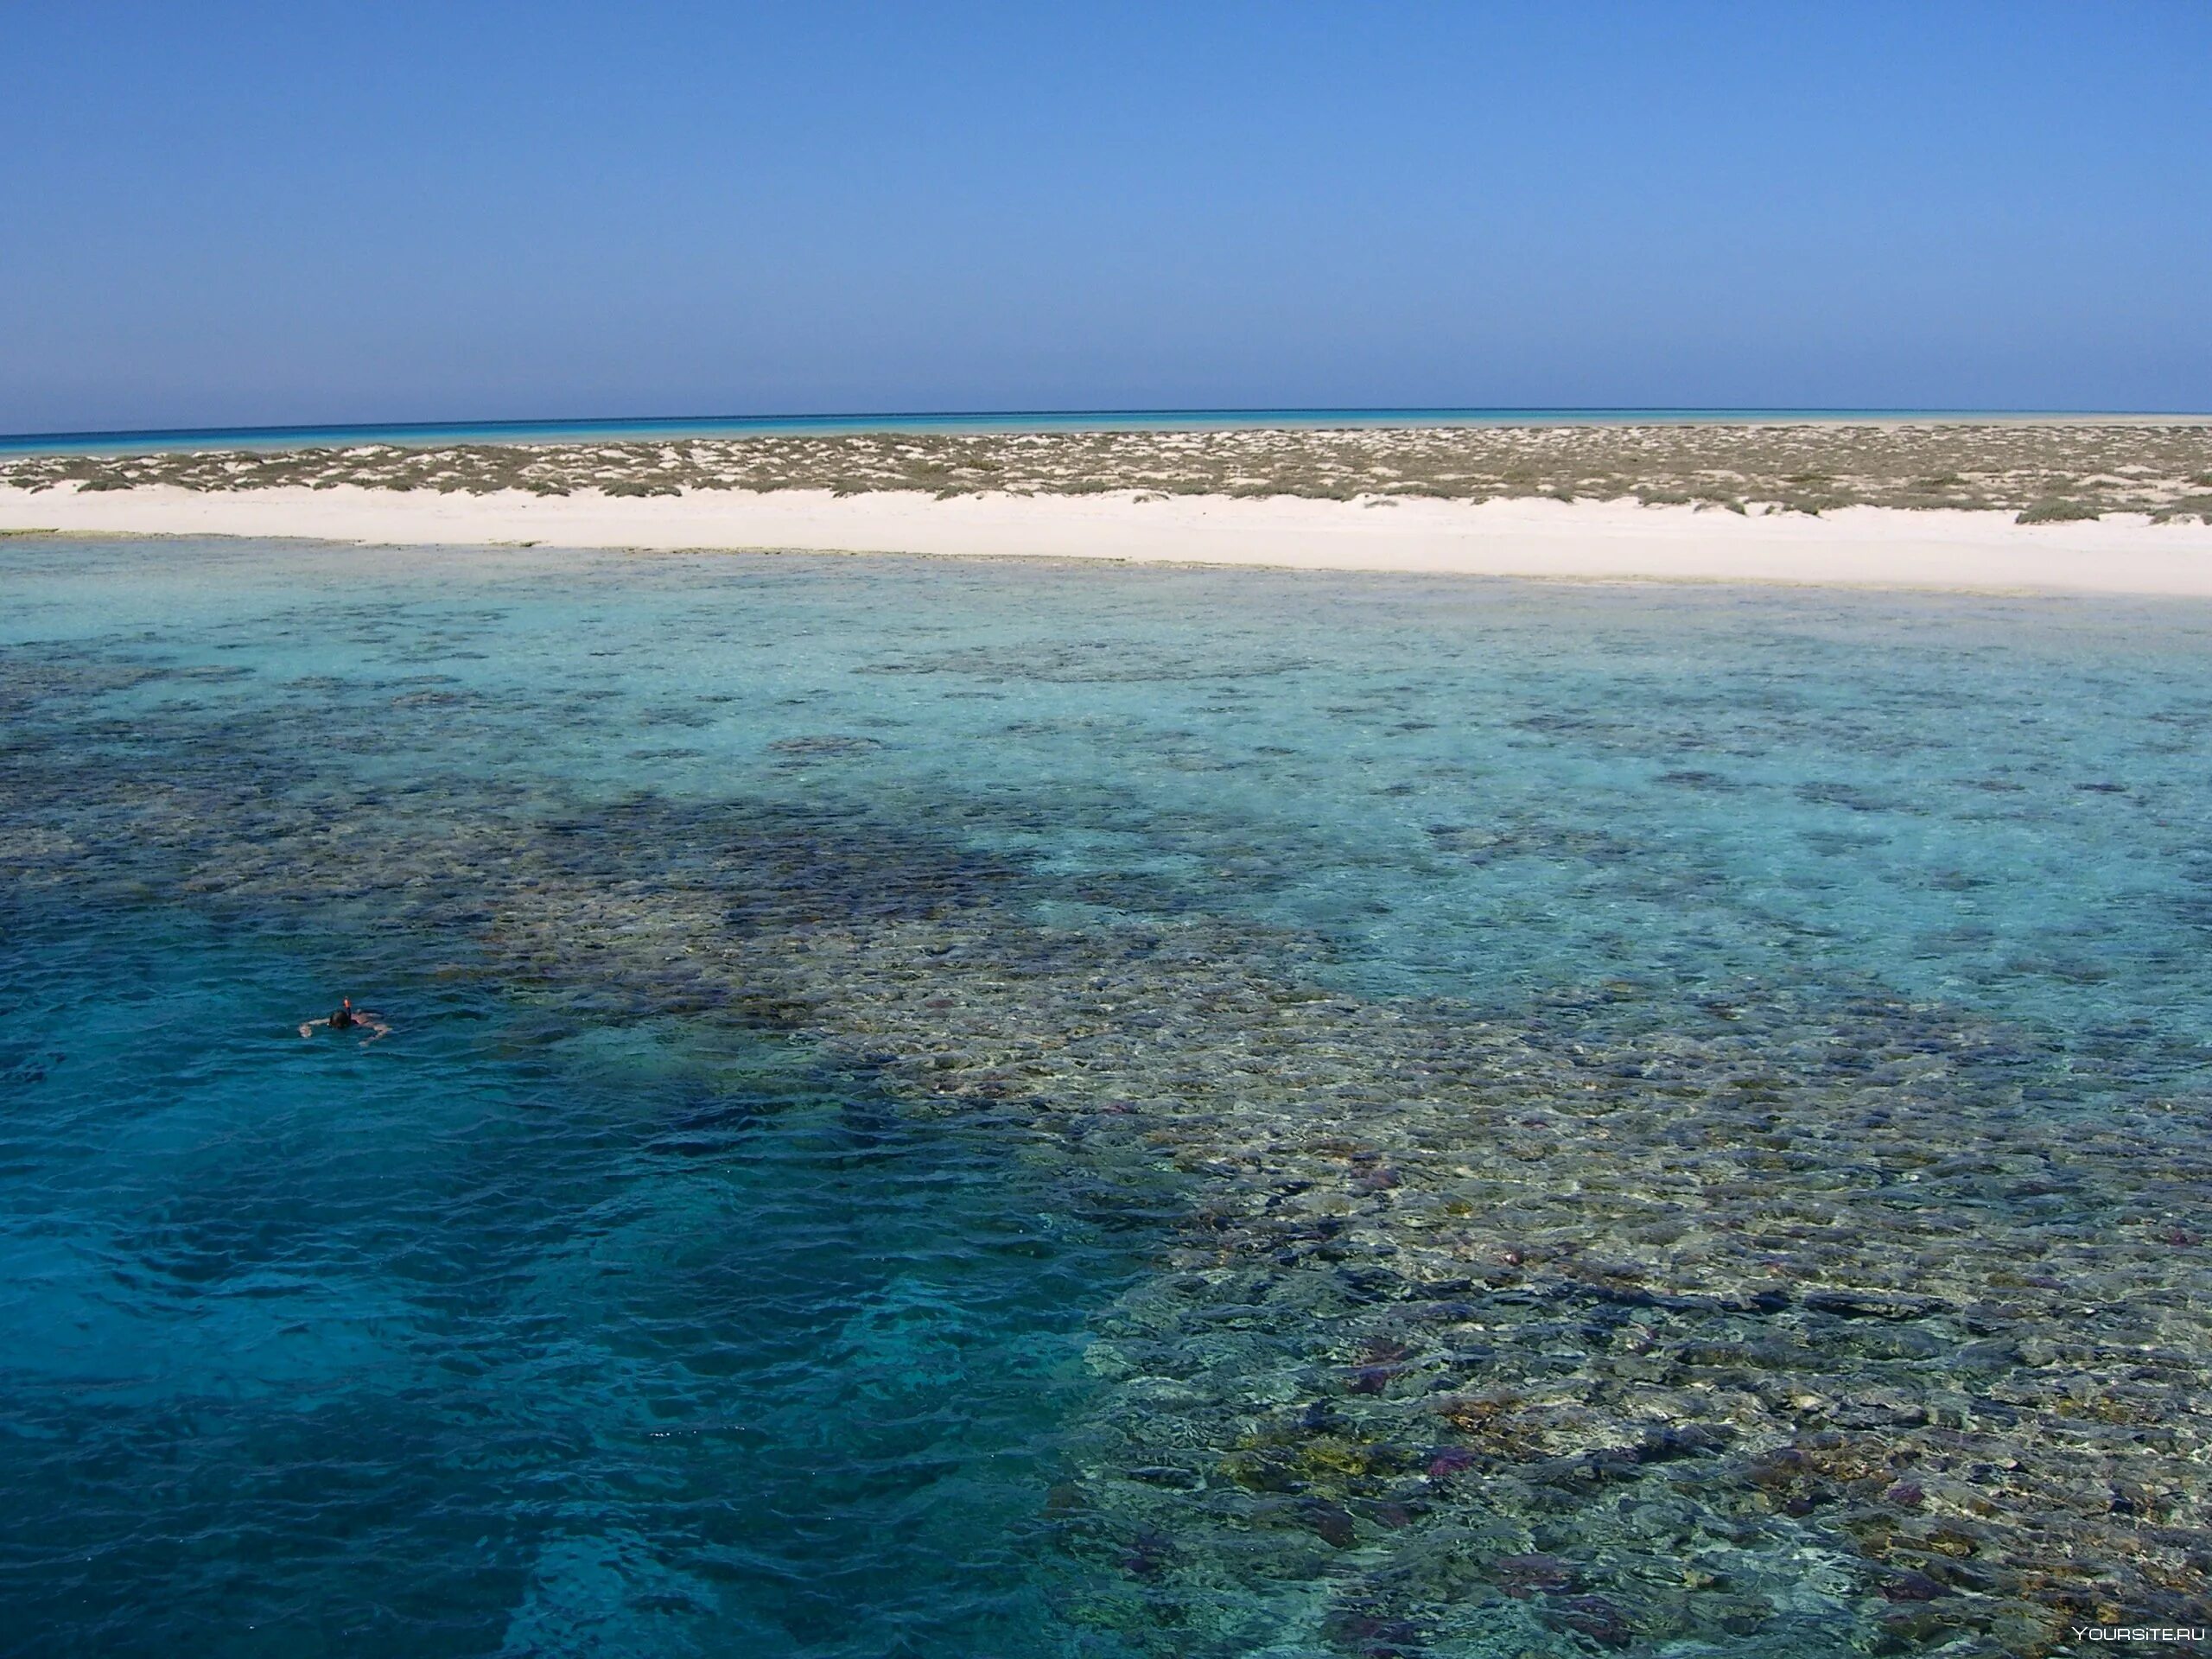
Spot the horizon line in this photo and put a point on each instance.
(1377, 413)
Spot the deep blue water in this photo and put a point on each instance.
(946, 1108)
(1173, 419)
(521, 1335)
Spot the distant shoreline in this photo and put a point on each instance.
(1854, 545)
(1004, 422)
(2044, 471)
(2061, 506)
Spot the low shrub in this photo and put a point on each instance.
(2056, 511)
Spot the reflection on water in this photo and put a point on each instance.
(948, 1108)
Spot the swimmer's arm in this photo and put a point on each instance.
(376, 1028)
(307, 1030)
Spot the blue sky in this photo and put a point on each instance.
(215, 213)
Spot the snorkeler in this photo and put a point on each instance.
(346, 1017)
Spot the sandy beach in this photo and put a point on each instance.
(1854, 545)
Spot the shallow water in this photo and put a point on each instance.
(973, 1108)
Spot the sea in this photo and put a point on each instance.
(959, 1109)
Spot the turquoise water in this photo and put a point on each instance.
(962, 1109)
(1172, 420)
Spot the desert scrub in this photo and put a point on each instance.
(1806, 466)
(2058, 511)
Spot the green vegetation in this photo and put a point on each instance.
(2058, 510)
(2190, 508)
(2043, 472)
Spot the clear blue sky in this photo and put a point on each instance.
(215, 213)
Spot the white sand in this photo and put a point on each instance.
(1873, 546)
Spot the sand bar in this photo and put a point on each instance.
(1857, 545)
